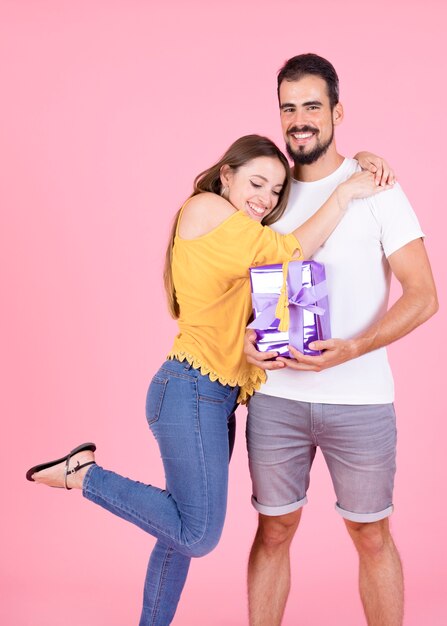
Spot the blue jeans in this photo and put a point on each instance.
(193, 421)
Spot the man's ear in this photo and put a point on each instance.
(337, 114)
(226, 174)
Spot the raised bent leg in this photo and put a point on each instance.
(269, 568)
(380, 572)
(193, 422)
(188, 415)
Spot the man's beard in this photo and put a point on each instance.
(307, 158)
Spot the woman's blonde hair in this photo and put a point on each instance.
(238, 154)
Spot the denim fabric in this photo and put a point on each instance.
(358, 443)
(192, 419)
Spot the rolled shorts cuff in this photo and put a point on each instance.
(278, 510)
(364, 517)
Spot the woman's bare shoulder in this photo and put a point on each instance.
(202, 213)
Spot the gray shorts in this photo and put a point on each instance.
(358, 443)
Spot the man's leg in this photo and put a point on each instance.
(380, 572)
(359, 444)
(281, 450)
(269, 568)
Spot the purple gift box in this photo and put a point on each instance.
(305, 296)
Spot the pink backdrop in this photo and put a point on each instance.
(108, 110)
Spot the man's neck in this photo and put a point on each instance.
(325, 166)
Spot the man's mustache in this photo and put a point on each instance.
(302, 129)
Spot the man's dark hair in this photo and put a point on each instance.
(305, 64)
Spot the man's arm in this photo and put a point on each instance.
(417, 304)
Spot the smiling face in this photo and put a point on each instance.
(307, 119)
(255, 187)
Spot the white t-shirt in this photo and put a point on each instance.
(358, 277)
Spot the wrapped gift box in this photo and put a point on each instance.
(292, 312)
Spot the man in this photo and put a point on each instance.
(342, 400)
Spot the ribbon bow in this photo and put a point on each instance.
(273, 306)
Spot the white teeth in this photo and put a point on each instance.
(302, 135)
(256, 209)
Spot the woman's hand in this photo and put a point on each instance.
(359, 185)
(379, 167)
(314, 232)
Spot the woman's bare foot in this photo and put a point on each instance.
(55, 476)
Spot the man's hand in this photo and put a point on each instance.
(417, 303)
(335, 351)
(260, 359)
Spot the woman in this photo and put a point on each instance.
(218, 234)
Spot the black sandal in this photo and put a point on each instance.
(68, 472)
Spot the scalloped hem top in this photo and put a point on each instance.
(212, 287)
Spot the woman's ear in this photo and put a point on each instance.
(226, 175)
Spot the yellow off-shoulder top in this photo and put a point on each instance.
(212, 286)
